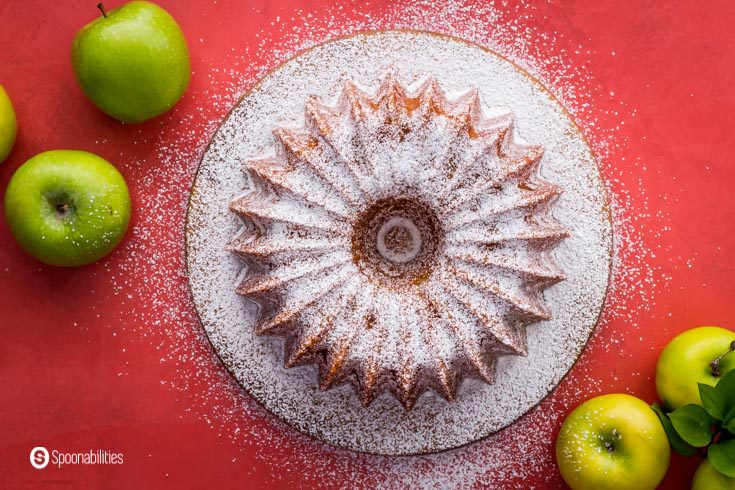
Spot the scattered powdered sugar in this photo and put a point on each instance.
(336, 416)
(153, 278)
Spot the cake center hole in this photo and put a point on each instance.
(399, 240)
(396, 241)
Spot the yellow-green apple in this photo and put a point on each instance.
(8, 125)
(67, 207)
(132, 62)
(612, 442)
(699, 355)
(708, 478)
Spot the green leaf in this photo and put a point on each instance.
(726, 387)
(722, 457)
(729, 426)
(712, 400)
(677, 443)
(729, 421)
(693, 424)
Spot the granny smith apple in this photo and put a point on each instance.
(612, 442)
(132, 62)
(708, 478)
(699, 355)
(8, 125)
(67, 207)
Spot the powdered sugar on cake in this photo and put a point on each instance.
(398, 240)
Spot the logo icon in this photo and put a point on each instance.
(39, 457)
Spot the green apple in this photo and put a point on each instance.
(67, 207)
(612, 442)
(688, 359)
(132, 62)
(708, 478)
(8, 125)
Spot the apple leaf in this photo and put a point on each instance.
(729, 426)
(729, 421)
(722, 457)
(676, 442)
(712, 400)
(726, 387)
(693, 424)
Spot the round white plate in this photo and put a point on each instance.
(336, 416)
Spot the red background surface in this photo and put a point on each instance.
(81, 361)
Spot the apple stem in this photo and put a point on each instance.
(102, 9)
(715, 364)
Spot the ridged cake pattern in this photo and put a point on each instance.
(400, 240)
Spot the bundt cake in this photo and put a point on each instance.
(400, 240)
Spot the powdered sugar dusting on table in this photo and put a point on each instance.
(154, 270)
